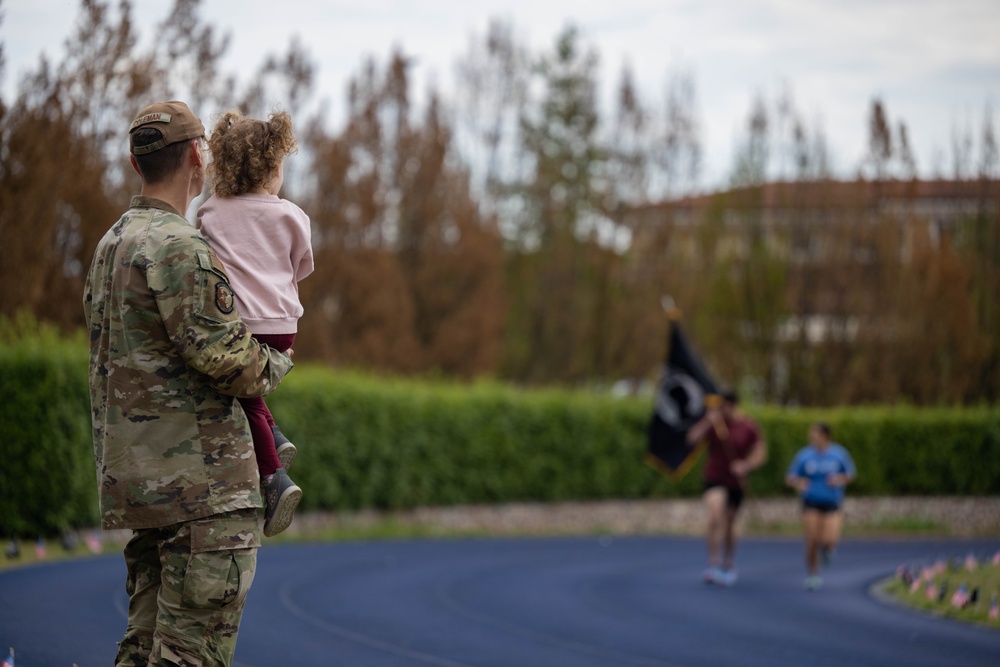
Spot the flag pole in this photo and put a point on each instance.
(712, 400)
(670, 308)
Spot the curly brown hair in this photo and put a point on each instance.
(246, 151)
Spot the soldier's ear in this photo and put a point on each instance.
(197, 153)
(135, 165)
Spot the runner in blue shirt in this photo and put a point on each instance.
(820, 472)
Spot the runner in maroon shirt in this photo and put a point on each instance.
(735, 448)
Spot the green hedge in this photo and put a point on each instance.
(47, 476)
(369, 442)
(898, 450)
(365, 442)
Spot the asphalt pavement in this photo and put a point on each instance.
(555, 602)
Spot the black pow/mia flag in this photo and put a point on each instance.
(679, 404)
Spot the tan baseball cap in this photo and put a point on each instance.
(174, 119)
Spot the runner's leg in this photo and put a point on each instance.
(812, 524)
(715, 507)
(729, 555)
(833, 523)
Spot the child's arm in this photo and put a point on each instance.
(301, 246)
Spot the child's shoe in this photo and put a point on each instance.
(286, 450)
(281, 497)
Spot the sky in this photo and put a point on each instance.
(934, 63)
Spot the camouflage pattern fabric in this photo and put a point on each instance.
(187, 585)
(169, 354)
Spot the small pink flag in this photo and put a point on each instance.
(960, 598)
(93, 541)
(971, 563)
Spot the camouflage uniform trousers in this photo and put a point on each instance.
(187, 584)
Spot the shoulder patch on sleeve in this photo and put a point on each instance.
(224, 298)
(217, 299)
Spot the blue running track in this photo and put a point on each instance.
(565, 602)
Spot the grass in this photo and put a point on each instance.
(380, 529)
(54, 551)
(906, 524)
(898, 526)
(920, 586)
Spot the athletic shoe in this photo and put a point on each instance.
(286, 450)
(813, 583)
(281, 497)
(711, 575)
(726, 578)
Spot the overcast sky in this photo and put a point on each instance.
(933, 62)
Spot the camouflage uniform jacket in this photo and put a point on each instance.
(168, 354)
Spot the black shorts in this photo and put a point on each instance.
(734, 495)
(821, 507)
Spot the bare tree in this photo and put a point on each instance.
(493, 81)
(989, 156)
(408, 274)
(907, 161)
(753, 156)
(880, 144)
(961, 151)
(627, 169)
(678, 152)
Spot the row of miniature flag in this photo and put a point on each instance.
(9, 660)
(91, 539)
(925, 577)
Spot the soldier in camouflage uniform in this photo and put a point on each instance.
(169, 354)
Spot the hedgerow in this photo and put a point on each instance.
(371, 442)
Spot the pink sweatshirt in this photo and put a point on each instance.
(264, 243)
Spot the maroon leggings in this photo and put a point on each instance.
(260, 417)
